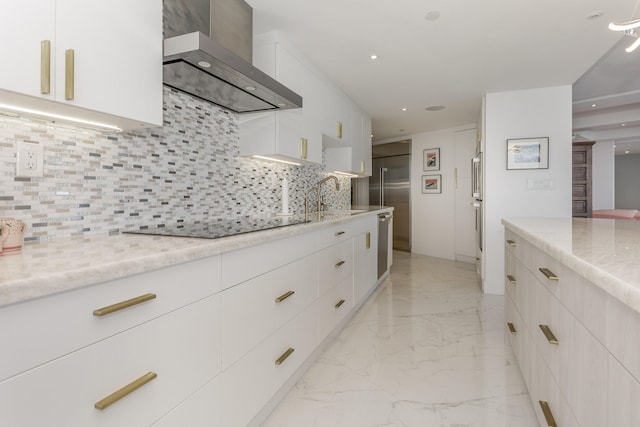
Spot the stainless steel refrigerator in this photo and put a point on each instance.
(389, 185)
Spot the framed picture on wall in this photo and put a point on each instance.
(431, 184)
(528, 153)
(431, 159)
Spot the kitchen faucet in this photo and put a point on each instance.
(317, 189)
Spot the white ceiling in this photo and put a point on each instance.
(473, 48)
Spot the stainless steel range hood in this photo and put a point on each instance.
(207, 53)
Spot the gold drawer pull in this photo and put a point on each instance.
(548, 274)
(549, 335)
(284, 356)
(512, 243)
(284, 296)
(548, 416)
(367, 243)
(339, 233)
(304, 144)
(511, 279)
(69, 70)
(339, 264)
(339, 304)
(122, 305)
(125, 391)
(45, 67)
(512, 328)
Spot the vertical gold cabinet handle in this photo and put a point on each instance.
(69, 74)
(512, 328)
(549, 335)
(339, 264)
(362, 166)
(284, 296)
(367, 243)
(304, 147)
(339, 130)
(548, 416)
(99, 312)
(511, 243)
(339, 303)
(548, 273)
(125, 391)
(511, 279)
(284, 356)
(45, 67)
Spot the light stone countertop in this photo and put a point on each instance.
(604, 251)
(64, 264)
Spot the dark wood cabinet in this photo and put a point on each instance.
(581, 179)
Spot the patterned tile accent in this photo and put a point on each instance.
(188, 170)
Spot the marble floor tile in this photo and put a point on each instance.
(427, 349)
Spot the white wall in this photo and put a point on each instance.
(544, 112)
(433, 215)
(603, 173)
(627, 177)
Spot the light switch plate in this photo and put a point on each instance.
(29, 160)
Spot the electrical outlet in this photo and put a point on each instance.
(30, 160)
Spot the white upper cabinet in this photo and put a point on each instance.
(336, 117)
(356, 158)
(292, 135)
(115, 76)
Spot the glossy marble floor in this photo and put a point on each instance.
(427, 349)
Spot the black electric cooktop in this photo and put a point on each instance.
(215, 230)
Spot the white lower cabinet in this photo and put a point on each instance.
(202, 409)
(333, 306)
(66, 391)
(365, 262)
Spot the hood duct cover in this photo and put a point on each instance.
(201, 66)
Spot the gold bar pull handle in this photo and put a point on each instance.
(339, 303)
(339, 264)
(512, 328)
(69, 72)
(548, 274)
(548, 416)
(280, 360)
(304, 146)
(45, 67)
(339, 233)
(99, 312)
(367, 240)
(512, 243)
(284, 296)
(124, 391)
(549, 335)
(362, 166)
(511, 279)
(339, 129)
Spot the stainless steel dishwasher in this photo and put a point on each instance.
(383, 242)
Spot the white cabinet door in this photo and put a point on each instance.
(365, 262)
(336, 120)
(366, 144)
(118, 56)
(23, 26)
(312, 116)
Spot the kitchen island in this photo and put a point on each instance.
(573, 317)
(211, 331)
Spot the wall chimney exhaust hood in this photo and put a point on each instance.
(207, 54)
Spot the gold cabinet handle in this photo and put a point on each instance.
(69, 74)
(339, 233)
(362, 166)
(548, 274)
(339, 129)
(512, 328)
(304, 145)
(45, 67)
(511, 279)
(549, 335)
(548, 416)
(339, 303)
(367, 240)
(284, 356)
(512, 243)
(124, 391)
(284, 296)
(339, 264)
(99, 312)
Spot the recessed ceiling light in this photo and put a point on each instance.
(432, 15)
(374, 56)
(623, 124)
(204, 64)
(593, 105)
(626, 152)
(404, 108)
(595, 14)
(614, 146)
(435, 108)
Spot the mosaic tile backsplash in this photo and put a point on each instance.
(188, 170)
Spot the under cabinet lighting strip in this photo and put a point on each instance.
(59, 117)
